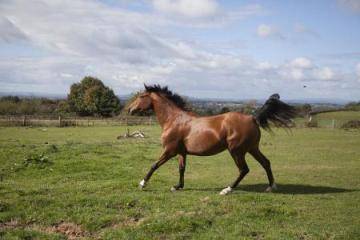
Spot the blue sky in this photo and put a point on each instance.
(203, 48)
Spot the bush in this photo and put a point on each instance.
(91, 97)
(351, 124)
(312, 124)
(13, 105)
(354, 106)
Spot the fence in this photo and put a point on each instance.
(74, 121)
(320, 123)
(59, 121)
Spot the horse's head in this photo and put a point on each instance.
(141, 103)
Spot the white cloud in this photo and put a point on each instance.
(324, 73)
(303, 69)
(187, 8)
(126, 48)
(9, 32)
(297, 74)
(264, 66)
(301, 62)
(357, 70)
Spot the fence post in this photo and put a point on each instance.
(333, 123)
(24, 121)
(59, 121)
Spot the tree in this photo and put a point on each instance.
(92, 97)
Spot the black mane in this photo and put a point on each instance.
(175, 98)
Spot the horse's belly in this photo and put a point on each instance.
(204, 143)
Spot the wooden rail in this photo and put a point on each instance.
(60, 121)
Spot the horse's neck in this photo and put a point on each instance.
(165, 110)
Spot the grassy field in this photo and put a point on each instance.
(59, 183)
(336, 119)
(339, 115)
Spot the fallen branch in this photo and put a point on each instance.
(135, 134)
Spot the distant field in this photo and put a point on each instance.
(340, 117)
(83, 182)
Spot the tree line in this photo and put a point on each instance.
(90, 97)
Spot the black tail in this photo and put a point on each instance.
(275, 111)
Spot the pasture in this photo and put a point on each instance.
(337, 118)
(82, 183)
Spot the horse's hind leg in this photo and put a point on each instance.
(182, 164)
(265, 163)
(239, 158)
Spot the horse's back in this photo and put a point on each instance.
(212, 134)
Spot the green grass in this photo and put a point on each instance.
(340, 115)
(88, 179)
(337, 118)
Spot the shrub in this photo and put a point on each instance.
(312, 124)
(351, 124)
(92, 97)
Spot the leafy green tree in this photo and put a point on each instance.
(92, 97)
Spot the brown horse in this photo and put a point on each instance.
(184, 133)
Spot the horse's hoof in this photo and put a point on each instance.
(142, 184)
(174, 189)
(226, 191)
(271, 188)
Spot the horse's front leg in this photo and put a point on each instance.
(165, 156)
(182, 165)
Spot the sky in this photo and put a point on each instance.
(204, 49)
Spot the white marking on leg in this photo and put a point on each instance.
(271, 188)
(142, 184)
(225, 191)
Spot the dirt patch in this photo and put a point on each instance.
(11, 224)
(70, 230)
(130, 222)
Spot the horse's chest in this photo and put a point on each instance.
(170, 137)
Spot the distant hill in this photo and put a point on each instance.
(321, 101)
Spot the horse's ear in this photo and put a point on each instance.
(275, 96)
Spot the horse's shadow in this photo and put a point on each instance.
(285, 189)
